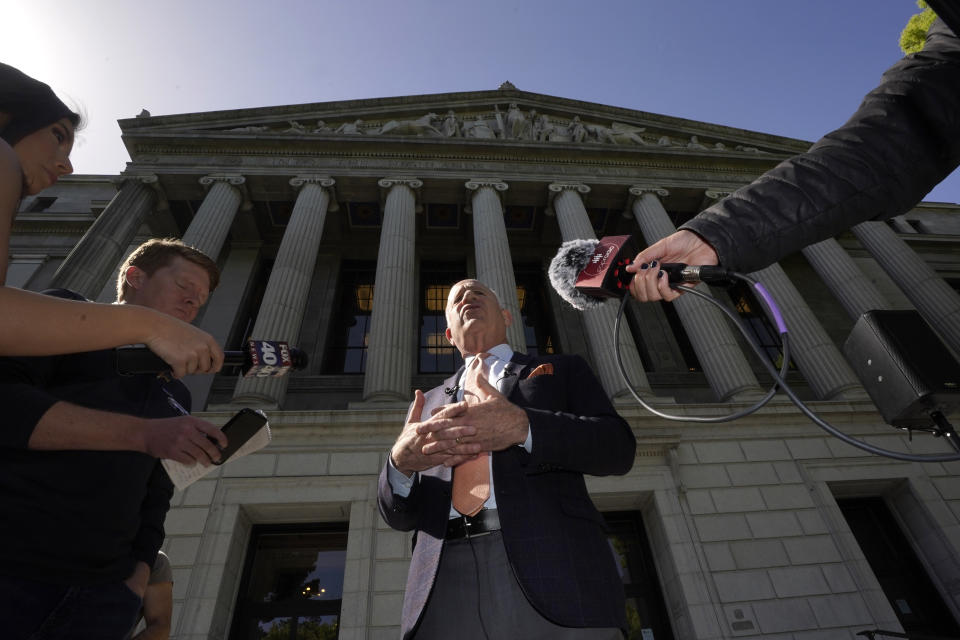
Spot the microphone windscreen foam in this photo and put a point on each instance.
(571, 259)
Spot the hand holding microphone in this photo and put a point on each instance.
(586, 272)
(183, 347)
(682, 246)
(261, 359)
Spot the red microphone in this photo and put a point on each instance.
(587, 272)
(604, 275)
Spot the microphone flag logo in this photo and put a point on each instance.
(269, 359)
(604, 275)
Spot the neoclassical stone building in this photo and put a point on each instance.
(339, 226)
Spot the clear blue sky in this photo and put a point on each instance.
(796, 69)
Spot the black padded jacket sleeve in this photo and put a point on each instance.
(22, 394)
(153, 512)
(901, 142)
(23, 400)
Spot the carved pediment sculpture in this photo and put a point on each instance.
(518, 126)
(617, 133)
(250, 129)
(450, 128)
(479, 128)
(423, 126)
(351, 128)
(512, 124)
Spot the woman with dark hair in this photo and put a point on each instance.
(36, 136)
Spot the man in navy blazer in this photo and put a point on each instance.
(535, 562)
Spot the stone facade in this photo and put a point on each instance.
(742, 518)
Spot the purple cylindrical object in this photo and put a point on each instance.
(772, 306)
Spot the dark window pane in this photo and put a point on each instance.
(364, 214)
(917, 603)
(598, 220)
(41, 204)
(680, 335)
(752, 314)
(350, 331)
(646, 610)
(535, 310)
(519, 217)
(297, 566)
(435, 353)
(443, 216)
(292, 583)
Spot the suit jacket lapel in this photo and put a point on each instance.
(438, 396)
(514, 371)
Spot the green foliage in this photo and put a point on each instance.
(634, 624)
(306, 630)
(914, 35)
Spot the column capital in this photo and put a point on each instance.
(323, 181)
(413, 183)
(149, 179)
(638, 190)
(475, 184)
(152, 181)
(230, 178)
(713, 194)
(144, 178)
(234, 180)
(716, 193)
(558, 187)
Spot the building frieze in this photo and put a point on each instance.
(30, 227)
(337, 162)
(462, 170)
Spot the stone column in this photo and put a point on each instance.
(285, 297)
(492, 252)
(210, 226)
(821, 363)
(936, 300)
(844, 278)
(93, 260)
(390, 354)
(575, 224)
(724, 364)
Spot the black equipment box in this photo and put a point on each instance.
(908, 372)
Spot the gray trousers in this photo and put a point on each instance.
(476, 597)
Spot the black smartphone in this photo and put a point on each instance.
(239, 429)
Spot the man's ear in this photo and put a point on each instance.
(135, 276)
(507, 317)
(449, 335)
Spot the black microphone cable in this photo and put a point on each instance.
(778, 376)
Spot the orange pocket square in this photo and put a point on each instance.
(544, 369)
